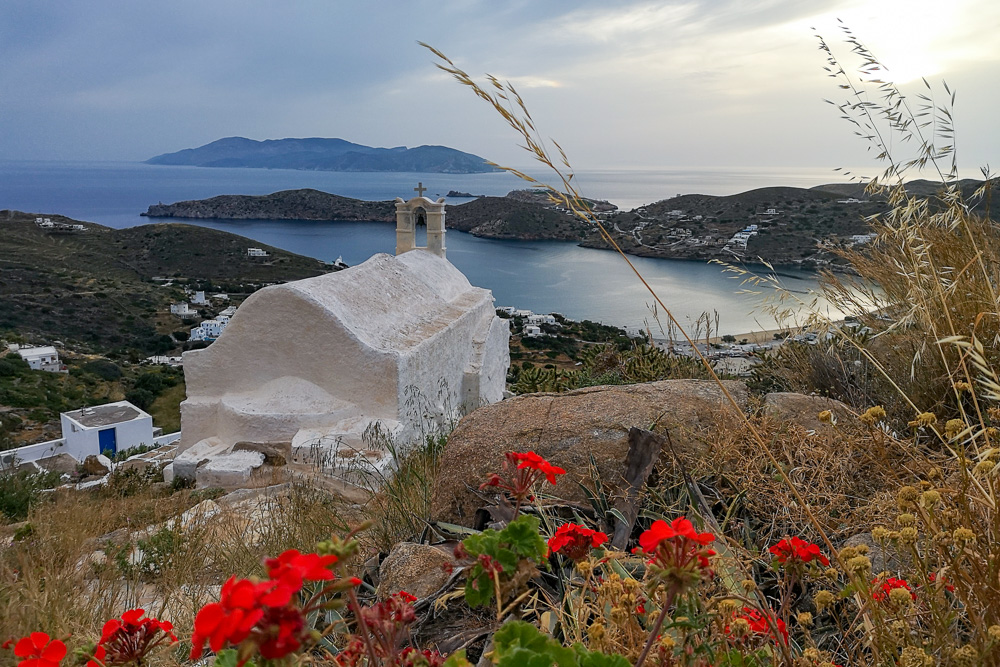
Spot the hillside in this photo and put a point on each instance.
(285, 205)
(320, 154)
(510, 218)
(94, 290)
(793, 226)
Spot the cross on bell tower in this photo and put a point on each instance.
(407, 214)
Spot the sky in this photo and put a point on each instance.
(698, 83)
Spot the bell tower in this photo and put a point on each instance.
(420, 209)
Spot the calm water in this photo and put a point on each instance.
(540, 276)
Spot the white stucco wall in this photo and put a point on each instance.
(346, 345)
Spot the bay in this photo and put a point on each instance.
(543, 276)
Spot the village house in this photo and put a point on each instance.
(541, 319)
(41, 358)
(182, 309)
(532, 330)
(256, 252)
(199, 299)
(210, 329)
(105, 429)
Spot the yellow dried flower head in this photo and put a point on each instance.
(984, 467)
(929, 499)
(912, 656)
(900, 597)
(993, 454)
(898, 629)
(993, 632)
(859, 565)
(740, 627)
(934, 473)
(962, 386)
(631, 585)
(805, 619)
(667, 642)
(749, 585)
(953, 427)
(728, 606)
(924, 419)
(965, 656)
(584, 567)
(847, 553)
(831, 574)
(908, 535)
(596, 631)
(879, 533)
(862, 549)
(827, 417)
(823, 599)
(907, 496)
(872, 415)
(906, 519)
(991, 432)
(994, 413)
(964, 535)
(619, 613)
(811, 654)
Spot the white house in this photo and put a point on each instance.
(182, 309)
(509, 311)
(210, 329)
(199, 298)
(115, 427)
(41, 358)
(532, 330)
(228, 312)
(541, 319)
(256, 252)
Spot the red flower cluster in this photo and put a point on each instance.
(678, 551)
(532, 461)
(575, 541)
(386, 624)
(131, 638)
(881, 589)
(932, 577)
(38, 650)
(261, 611)
(760, 626)
(797, 550)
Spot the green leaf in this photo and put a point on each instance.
(457, 659)
(587, 658)
(229, 657)
(523, 536)
(518, 643)
(478, 589)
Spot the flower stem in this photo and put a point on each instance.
(655, 632)
(363, 627)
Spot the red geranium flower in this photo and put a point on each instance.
(533, 461)
(39, 650)
(760, 626)
(881, 590)
(932, 577)
(130, 638)
(229, 620)
(797, 550)
(290, 569)
(678, 551)
(575, 541)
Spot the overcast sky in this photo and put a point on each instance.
(618, 84)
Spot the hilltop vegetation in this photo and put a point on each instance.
(94, 290)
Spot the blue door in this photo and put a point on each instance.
(108, 441)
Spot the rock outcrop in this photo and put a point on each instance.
(568, 429)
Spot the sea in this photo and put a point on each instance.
(541, 276)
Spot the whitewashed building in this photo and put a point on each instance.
(115, 427)
(256, 252)
(41, 358)
(182, 309)
(210, 329)
(199, 298)
(541, 319)
(532, 330)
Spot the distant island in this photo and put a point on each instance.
(318, 154)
